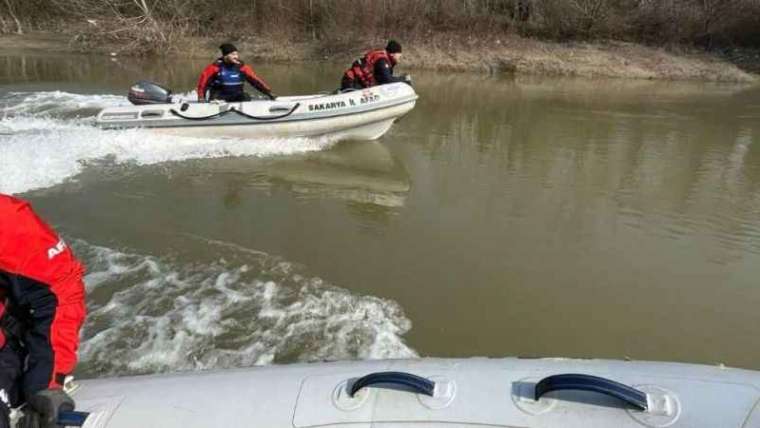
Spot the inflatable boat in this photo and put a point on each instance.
(431, 393)
(357, 115)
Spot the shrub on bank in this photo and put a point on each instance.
(146, 26)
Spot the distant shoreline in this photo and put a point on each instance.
(511, 54)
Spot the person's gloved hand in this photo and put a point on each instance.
(43, 408)
(271, 96)
(407, 79)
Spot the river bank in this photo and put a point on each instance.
(451, 52)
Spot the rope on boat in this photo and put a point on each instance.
(236, 110)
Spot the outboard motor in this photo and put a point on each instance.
(144, 92)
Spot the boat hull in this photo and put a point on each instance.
(357, 115)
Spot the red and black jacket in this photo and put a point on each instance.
(228, 79)
(374, 68)
(42, 282)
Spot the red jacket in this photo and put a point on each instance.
(363, 70)
(210, 72)
(42, 281)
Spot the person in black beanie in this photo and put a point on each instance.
(374, 68)
(224, 78)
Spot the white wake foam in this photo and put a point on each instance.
(150, 315)
(38, 151)
(56, 102)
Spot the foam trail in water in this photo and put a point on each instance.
(149, 315)
(41, 151)
(56, 102)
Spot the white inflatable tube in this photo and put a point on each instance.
(358, 115)
(431, 393)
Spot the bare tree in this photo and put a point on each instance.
(524, 8)
(591, 11)
(147, 17)
(14, 17)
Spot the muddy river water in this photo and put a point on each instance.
(503, 216)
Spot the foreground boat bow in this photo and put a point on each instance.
(433, 393)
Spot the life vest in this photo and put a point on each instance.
(362, 70)
(229, 80)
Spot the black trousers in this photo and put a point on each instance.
(230, 97)
(11, 367)
(349, 83)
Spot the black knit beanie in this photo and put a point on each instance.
(393, 47)
(227, 48)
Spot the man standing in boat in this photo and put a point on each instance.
(225, 77)
(41, 312)
(374, 68)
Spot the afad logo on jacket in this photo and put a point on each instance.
(57, 249)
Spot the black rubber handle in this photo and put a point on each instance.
(72, 418)
(211, 116)
(419, 384)
(240, 112)
(581, 382)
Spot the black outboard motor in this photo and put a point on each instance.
(144, 92)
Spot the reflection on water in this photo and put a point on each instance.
(602, 218)
(663, 157)
(562, 217)
(361, 172)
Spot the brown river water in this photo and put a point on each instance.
(502, 217)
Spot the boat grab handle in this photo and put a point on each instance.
(240, 112)
(274, 109)
(418, 384)
(72, 418)
(233, 109)
(211, 116)
(581, 382)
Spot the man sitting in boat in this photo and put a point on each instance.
(225, 77)
(375, 68)
(41, 312)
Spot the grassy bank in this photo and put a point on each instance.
(450, 52)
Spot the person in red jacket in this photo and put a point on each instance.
(43, 310)
(224, 78)
(374, 68)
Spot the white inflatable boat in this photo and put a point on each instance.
(431, 393)
(357, 115)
